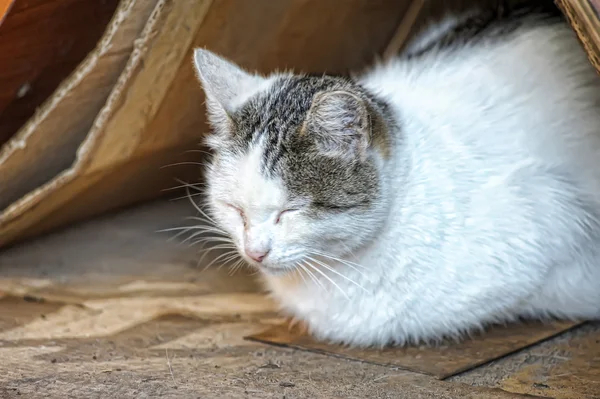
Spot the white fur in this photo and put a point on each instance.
(433, 33)
(492, 199)
(237, 181)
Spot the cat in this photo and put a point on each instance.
(455, 186)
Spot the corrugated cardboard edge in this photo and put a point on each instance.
(584, 17)
(97, 189)
(29, 202)
(5, 6)
(82, 71)
(70, 111)
(42, 201)
(153, 81)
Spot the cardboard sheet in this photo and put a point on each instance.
(139, 109)
(48, 143)
(5, 8)
(442, 361)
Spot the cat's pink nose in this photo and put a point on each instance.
(257, 255)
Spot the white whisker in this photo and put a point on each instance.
(198, 208)
(328, 278)
(205, 229)
(349, 250)
(209, 228)
(345, 261)
(314, 278)
(206, 251)
(200, 232)
(300, 273)
(236, 267)
(190, 185)
(192, 236)
(331, 269)
(212, 239)
(186, 196)
(184, 163)
(342, 261)
(311, 276)
(228, 259)
(181, 230)
(222, 246)
(200, 151)
(174, 229)
(215, 248)
(229, 253)
(203, 235)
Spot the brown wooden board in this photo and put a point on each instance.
(440, 361)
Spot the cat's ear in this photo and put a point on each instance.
(340, 124)
(226, 86)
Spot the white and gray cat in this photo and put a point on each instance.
(455, 186)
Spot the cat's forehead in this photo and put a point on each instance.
(271, 152)
(298, 177)
(275, 113)
(250, 185)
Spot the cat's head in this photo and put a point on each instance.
(296, 171)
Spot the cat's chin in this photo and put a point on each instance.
(275, 271)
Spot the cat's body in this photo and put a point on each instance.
(474, 198)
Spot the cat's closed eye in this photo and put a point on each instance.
(282, 213)
(238, 210)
